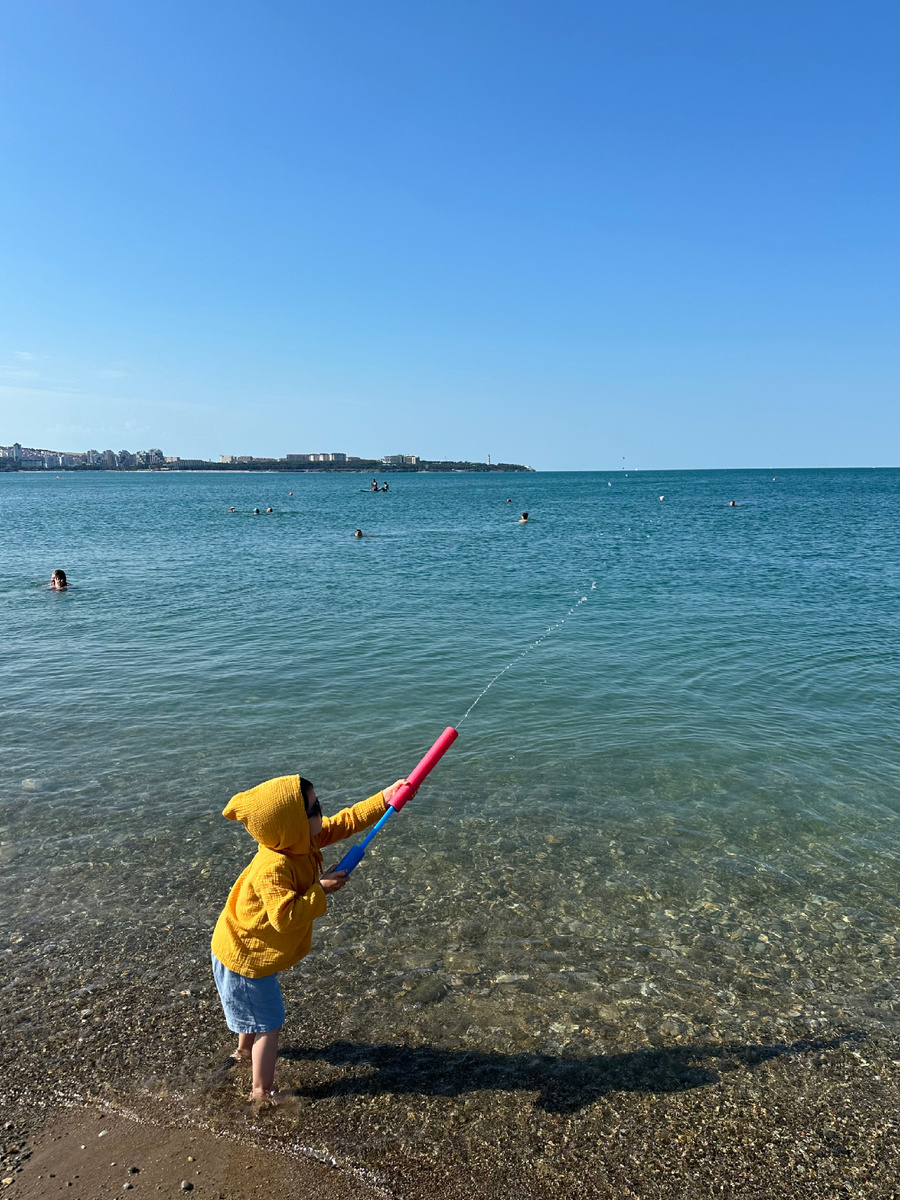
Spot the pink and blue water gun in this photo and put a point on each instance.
(355, 854)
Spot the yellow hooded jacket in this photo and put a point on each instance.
(266, 924)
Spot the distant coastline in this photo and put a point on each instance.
(23, 458)
(278, 467)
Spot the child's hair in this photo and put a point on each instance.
(313, 808)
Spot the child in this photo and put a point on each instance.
(266, 924)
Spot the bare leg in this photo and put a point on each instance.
(244, 1047)
(244, 1050)
(265, 1054)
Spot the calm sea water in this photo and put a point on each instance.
(678, 814)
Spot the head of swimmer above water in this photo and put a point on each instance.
(58, 581)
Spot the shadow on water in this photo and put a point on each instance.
(563, 1084)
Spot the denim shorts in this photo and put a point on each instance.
(251, 1005)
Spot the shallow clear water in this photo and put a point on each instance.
(677, 816)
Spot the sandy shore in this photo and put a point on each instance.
(83, 1155)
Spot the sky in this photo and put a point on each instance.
(578, 235)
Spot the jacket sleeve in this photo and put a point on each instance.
(351, 820)
(288, 910)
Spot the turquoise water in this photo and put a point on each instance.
(677, 816)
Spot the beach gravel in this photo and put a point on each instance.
(498, 1039)
(799, 1116)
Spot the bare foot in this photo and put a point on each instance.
(271, 1099)
(235, 1059)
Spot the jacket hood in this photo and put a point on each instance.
(273, 813)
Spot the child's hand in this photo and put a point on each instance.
(390, 792)
(333, 881)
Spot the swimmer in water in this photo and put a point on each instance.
(509, 502)
(374, 485)
(256, 512)
(359, 533)
(232, 510)
(522, 519)
(732, 504)
(270, 510)
(58, 581)
(290, 493)
(384, 487)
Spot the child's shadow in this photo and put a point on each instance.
(563, 1084)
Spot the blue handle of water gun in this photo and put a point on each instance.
(354, 855)
(351, 859)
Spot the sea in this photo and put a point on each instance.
(672, 820)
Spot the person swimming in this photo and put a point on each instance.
(256, 512)
(385, 487)
(375, 487)
(522, 519)
(232, 510)
(509, 502)
(732, 504)
(270, 510)
(359, 533)
(58, 581)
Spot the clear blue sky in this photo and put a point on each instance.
(562, 233)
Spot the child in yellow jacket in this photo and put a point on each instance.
(266, 924)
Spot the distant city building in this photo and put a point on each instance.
(400, 460)
(336, 458)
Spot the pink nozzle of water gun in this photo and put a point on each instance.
(418, 773)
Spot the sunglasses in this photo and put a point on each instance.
(314, 809)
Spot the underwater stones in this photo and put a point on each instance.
(427, 991)
(421, 959)
(462, 964)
